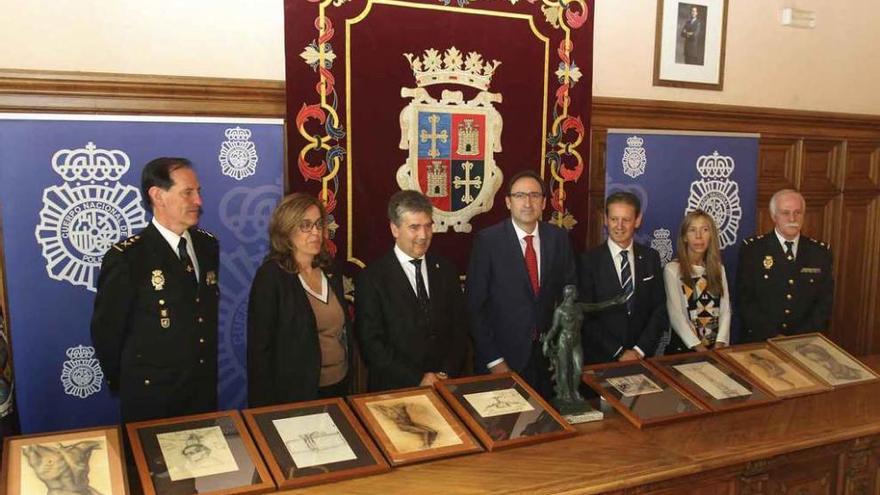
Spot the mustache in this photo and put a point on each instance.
(792, 224)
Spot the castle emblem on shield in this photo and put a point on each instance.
(717, 195)
(451, 140)
(634, 157)
(84, 217)
(81, 374)
(662, 244)
(238, 154)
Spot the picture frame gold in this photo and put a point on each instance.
(773, 369)
(99, 450)
(531, 419)
(413, 425)
(210, 454)
(279, 430)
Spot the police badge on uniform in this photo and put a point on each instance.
(768, 262)
(451, 141)
(158, 280)
(211, 278)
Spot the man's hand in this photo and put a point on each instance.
(499, 368)
(629, 355)
(720, 345)
(429, 379)
(700, 348)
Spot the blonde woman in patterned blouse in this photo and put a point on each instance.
(697, 297)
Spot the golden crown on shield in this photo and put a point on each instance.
(452, 68)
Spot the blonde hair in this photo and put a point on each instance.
(712, 259)
(285, 219)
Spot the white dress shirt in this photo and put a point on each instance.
(410, 270)
(676, 305)
(174, 239)
(783, 240)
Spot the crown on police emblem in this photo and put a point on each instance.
(432, 68)
(661, 233)
(715, 166)
(238, 134)
(80, 352)
(90, 164)
(634, 142)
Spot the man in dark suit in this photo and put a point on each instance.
(784, 282)
(517, 271)
(692, 32)
(620, 265)
(410, 315)
(154, 325)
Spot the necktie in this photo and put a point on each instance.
(185, 261)
(789, 251)
(626, 280)
(532, 264)
(421, 291)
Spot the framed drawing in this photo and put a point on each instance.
(45, 463)
(712, 381)
(833, 365)
(641, 394)
(689, 45)
(772, 369)
(207, 454)
(313, 442)
(413, 425)
(503, 410)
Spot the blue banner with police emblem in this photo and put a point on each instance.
(674, 172)
(69, 190)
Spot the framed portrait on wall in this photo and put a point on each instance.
(313, 442)
(773, 369)
(413, 425)
(210, 453)
(503, 410)
(833, 365)
(43, 463)
(715, 383)
(689, 45)
(641, 393)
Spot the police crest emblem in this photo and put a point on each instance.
(634, 157)
(451, 140)
(238, 154)
(717, 195)
(157, 278)
(81, 374)
(662, 244)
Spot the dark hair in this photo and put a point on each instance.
(624, 197)
(158, 173)
(287, 216)
(522, 174)
(408, 201)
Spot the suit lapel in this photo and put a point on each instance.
(546, 253)
(609, 268)
(397, 279)
(435, 291)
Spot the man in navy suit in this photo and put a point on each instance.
(518, 268)
(630, 331)
(410, 314)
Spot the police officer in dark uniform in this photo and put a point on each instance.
(784, 281)
(154, 325)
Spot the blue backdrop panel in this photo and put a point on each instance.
(676, 172)
(69, 189)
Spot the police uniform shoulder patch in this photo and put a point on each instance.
(752, 239)
(124, 244)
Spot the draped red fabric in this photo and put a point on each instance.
(437, 95)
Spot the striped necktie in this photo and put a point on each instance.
(626, 280)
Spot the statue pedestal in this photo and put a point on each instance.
(577, 412)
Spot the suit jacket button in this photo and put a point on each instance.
(790, 282)
(788, 296)
(201, 320)
(766, 276)
(785, 325)
(201, 361)
(147, 381)
(787, 311)
(197, 299)
(201, 340)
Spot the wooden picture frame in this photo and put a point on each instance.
(427, 428)
(773, 369)
(712, 381)
(825, 359)
(641, 393)
(99, 450)
(296, 456)
(209, 454)
(481, 401)
(689, 44)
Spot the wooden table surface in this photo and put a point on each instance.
(612, 454)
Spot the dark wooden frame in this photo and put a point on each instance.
(264, 486)
(818, 387)
(469, 444)
(775, 343)
(658, 43)
(665, 363)
(379, 463)
(625, 411)
(467, 415)
(112, 435)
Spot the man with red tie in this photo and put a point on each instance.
(517, 271)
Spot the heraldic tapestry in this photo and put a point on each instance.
(449, 97)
